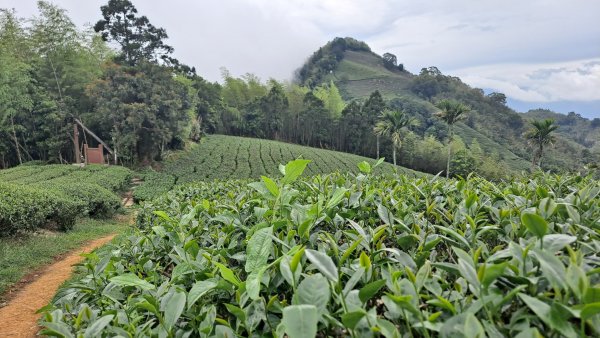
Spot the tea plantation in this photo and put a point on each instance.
(37, 196)
(351, 254)
(231, 157)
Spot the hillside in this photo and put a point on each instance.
(358, 72)
(232, 157)
(573, 126)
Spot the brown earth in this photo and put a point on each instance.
(18, 318)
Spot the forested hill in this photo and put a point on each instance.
(497, 129)
(122, 82)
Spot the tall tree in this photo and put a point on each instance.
(138, 38)
(15, 81)
(451, 112)
(273, 106)
(372, 108)
(539, 135)
(391, 124)
(142, 109)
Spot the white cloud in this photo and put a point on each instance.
(546, 82)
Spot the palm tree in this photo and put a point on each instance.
(390, 124)
(538, 136)
(451, 112)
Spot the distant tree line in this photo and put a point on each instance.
(144, 102)
(139, 99)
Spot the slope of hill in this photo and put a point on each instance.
(572, 126)
(357, 72)
(232, 157)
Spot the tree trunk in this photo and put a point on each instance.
(449, 151)
(394, 155)
(14, 134)
(378, 148)
(540, 157)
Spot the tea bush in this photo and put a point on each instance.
(34, 196)
(230, 157)
(348, 255)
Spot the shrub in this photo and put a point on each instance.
(349, 255)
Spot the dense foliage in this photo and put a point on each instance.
(229, 157)
(326, 59)
(347, 254)
(37, 196)
(138, 99)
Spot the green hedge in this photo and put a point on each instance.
(28, 208)
(158, 184)
(34, 196)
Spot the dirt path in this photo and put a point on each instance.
(18, 318)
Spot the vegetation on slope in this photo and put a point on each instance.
(497, 128)
(37, 196)
(350, 255)
(22, 255)
(230, 157)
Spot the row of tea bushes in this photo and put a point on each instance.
(36, 196)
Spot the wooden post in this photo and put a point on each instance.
(76, 143)
(101, 153)
(85, 149)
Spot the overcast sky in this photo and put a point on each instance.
(540, 53)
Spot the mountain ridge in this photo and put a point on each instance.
(357, 71)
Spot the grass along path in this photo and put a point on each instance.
(21, 256)
(19, 317)
(27, 279)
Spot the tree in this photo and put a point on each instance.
(330, 95)
(390, 61)
(142, 109)
(373, 107)
(15, 80)
(273, 107)
(498, 98)
(539, 135)
(451, 112)
(138, 38)
(391, 124)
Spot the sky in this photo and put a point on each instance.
(540, 53)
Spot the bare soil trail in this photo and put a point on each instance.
(18, 318)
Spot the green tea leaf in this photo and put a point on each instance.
(324, 263)
(364, 260)
(364, 167)
(227, 274)
(473, 327)
(552, 268)
(300, 321)
(535, 224)
(130, 279)
(388, 329)
(258, 249)
(337, 197)
(314, 290)
(174, 309)
(590, 310)
(492, 272)
(199, 289)
(350, 319)
(370, 290)
(271, 185)
(95, 329)
(253, 283)
(293, 170)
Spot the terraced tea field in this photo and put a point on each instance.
(230, 157)
(341, 255)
